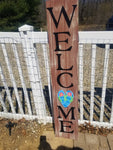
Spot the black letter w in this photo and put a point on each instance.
(65, 15)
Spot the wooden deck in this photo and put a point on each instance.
(85, 142)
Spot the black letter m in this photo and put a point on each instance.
(65, 16)
(66, 115)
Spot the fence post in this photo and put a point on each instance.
(31, 58)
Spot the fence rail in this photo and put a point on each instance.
(25, 89)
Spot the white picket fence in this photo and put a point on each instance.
(24, 73)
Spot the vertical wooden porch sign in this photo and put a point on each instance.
(62, 20)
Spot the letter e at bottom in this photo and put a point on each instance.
(64, 127)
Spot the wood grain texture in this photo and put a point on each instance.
(63, 45)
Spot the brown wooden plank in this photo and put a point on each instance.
(103, 142)
(110, 141)
(81, 142)
(92, 141)
(62, 19)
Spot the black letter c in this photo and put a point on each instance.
(58, 80)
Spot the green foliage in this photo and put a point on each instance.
(14, 13)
